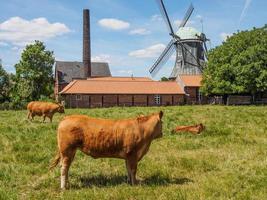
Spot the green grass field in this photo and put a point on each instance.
(228, 161)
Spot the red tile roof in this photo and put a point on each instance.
(121, 87)
(191, 80)
(120, 78)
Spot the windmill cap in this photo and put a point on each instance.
(185, 33)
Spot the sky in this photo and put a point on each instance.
(129, 35)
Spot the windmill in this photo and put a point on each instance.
(189, 44)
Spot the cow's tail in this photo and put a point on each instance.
(55, 161)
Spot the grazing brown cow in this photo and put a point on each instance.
(127, 139)
(196, 129)
(45, 109)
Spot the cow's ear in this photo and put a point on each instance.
(160, 114)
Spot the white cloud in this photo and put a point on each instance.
(149, 52)
(102, 58)
(244, 11)
(156, 18)
(20, 32)
(140, 31)
(224, 36)
(3, 44)
(114, 24)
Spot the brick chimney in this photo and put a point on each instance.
(86, 44)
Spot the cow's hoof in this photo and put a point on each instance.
(136, 182)
(64, 188)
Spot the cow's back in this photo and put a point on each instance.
(99, 137)
(39, 107)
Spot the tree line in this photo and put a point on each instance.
(238, 66)
(33, 79)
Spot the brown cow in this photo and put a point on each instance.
(196, 129)
(45, 109)
(127, 139)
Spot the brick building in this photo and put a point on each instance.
(121, 91)
(191, 84)
(67, 71)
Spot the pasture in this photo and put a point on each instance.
(228, 161)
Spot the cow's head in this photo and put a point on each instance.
(60, 108)
(158, 128)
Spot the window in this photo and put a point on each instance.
(157, 99)
(78, 97)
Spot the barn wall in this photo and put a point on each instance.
(140, 100)
(73, 103)
(110, 100)
(166, 100)
(102, 100)
(125, 100)
(192, 98)
(96, 101)
(178, 99)
(151, 100)
(83, 102)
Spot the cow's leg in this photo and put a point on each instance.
(51, 118)
(32, 116)
(128, 171)
(65, 165)
(132, 166)
(29, 115)
(64, 173)
(44, 118)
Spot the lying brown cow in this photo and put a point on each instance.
(127, 139)
(45, 109)
(197, 129)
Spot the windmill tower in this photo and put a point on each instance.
(189, 44)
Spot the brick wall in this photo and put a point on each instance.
(166, 100)
(110, 100)
(192, 98)
(140, 100)
(98, 100)
(178, 99)
(83, 102)
(125, 100)
(151, 100)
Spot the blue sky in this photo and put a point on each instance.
(130, 35)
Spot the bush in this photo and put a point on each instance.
(13, 105)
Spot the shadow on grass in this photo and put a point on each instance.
(103, 181)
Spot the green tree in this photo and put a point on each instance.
(239, 65)
(4, 85)
(164, 79)
(34, 73)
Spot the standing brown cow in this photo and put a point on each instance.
(127, 139)
(45, 109)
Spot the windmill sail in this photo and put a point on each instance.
(187, 15)
(165, 16)
(166, 54)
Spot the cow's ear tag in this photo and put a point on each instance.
(160, 114)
